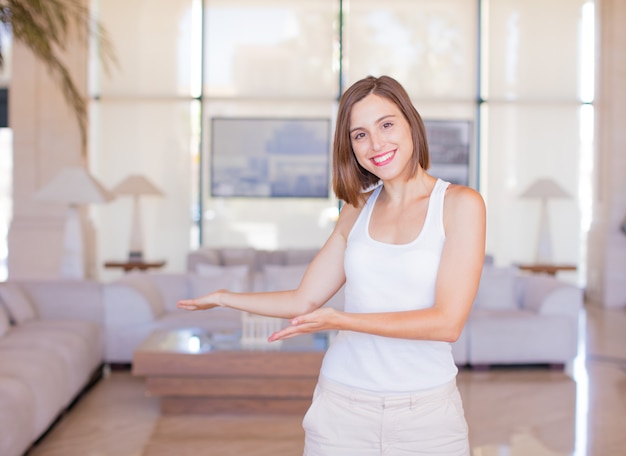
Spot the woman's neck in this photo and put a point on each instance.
(403, 191)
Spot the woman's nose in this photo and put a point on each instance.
(376, 141)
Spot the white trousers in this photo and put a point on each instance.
(346, 422)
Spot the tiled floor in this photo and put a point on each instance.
(511, 412)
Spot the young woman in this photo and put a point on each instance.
(410, 249)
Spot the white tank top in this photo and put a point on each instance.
(383, 277)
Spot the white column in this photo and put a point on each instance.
(46, 138)
(606, 277)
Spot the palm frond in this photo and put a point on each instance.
(46, 27)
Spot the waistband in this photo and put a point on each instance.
(387, 400)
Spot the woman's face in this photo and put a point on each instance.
(381, 137)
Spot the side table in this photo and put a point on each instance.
(546, 268)
(129, 265)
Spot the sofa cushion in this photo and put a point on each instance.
(91, 335)
(201, 256)
(44, 375)
(300, 256)
(263, 257)
(5, 324)
(17, 303)
(497, 289)
(288, 277)
(238, 256)
(62, 299)
(17, 407)
(210, 278)
(210, 256)
(71, 350)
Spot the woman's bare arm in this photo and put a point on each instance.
(457, 282)
(321, 280)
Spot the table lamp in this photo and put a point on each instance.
(544, 189)
(136, 185)
(73, 186)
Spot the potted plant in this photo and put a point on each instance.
(46, 27)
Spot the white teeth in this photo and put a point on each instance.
(382, 158)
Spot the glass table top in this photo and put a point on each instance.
(198, 341)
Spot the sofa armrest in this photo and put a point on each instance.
(564, 300)
(549, 296)
(129, 302)
(66, 299)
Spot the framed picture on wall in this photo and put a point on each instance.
(449, 144)
(270, 157)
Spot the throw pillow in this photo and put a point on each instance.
(210, 256)
(202, 256)
(17, 303)
(209, 278)
(5, 324)
(237, 256)
(497, 289)
(536, 288)
(278, 277)
(300, 256)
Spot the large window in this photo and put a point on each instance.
(513, 71)
(537, 88)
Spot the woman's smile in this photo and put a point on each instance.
(383, 159)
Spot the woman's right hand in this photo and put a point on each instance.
(202, 303)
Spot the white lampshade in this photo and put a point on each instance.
(136, 184)
(74, 185)
(545, 188)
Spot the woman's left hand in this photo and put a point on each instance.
(319, 320)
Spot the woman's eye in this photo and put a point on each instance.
(359, 135)
(387, 124)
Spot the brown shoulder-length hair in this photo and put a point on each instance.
(350, 178)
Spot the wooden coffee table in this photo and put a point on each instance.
(196, 372)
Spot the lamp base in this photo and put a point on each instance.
(135, 256)
(544, 240)
(72, 257)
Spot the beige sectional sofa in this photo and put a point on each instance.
(51, 348)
